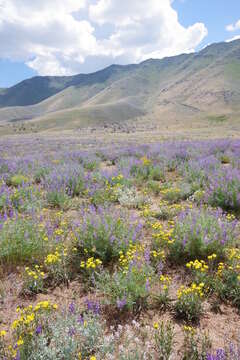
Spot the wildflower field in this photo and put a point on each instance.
(119, 252)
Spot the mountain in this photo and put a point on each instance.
(204, 84)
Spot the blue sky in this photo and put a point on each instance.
(64, 37)
(215, 14)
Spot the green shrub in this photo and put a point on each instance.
(104, 233)
(126, 290)
(189, 303)
(227, 286)
(58, 199)
(33, 280)
(196, 346)
(164, 340)
(40, 175)
(199, 233)
(67, 335)
(154, 187)
(22, 242)
(17, 180)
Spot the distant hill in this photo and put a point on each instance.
(200, 84)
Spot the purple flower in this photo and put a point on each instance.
(38, 329)
(121, 303)
(93, 306)
(72, 308)
(72, 331)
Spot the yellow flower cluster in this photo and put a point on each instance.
(146, 211)
(198, 265)
(165, 280)
(145, 161)
(212, 257)
(194, 289)
(169, 191)
(230, 217)
(221, 266)
(91, 263)
(59, 232)
(135, 251)
(36, 274)
(27, 314)
(117, 178)
(160, 254)
(233, 254)
(162, 234)
(2, 333)
(189, 329)
(56, 257)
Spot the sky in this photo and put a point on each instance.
(66, 37)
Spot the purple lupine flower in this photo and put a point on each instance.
(72, 331)
(72, 308)
(121, 303)
(93, 306)
(38, 330)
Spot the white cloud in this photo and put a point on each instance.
(49, 37)
(233, 27)
(237, 37)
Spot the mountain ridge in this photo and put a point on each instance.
(203, 83)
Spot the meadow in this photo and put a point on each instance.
(119, 251)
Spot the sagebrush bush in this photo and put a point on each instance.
(73, 336)
(130, 198)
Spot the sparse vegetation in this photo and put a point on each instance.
(121, 253)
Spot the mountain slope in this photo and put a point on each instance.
(187, 85)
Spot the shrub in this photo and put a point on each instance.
(199, 233)
(174, 195)
(154, 187)
(104, 233)
(57, 265)
(130, 198)
(57, 199)
(73, 336)
(223, 189)
(147, 171)
(167, 211)
(40, 174)
(189, 302)
(22, 242)
(196, 346)
(163, 338)
(33, 280)
(17, 180)
(162, 297)
(126, 290)
(227, 279)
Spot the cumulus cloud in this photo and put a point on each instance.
(62, 37)
(233, 27)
